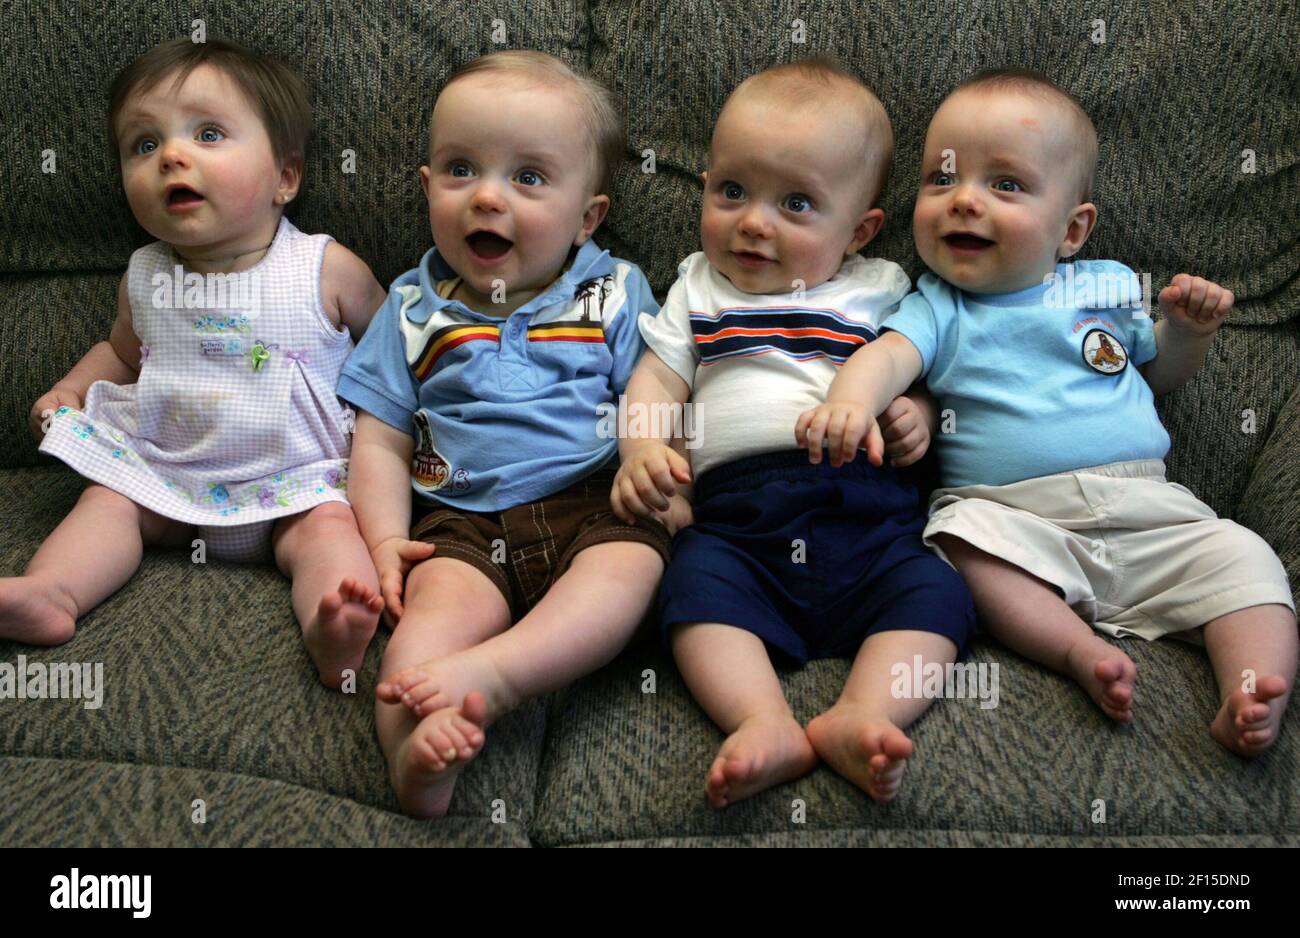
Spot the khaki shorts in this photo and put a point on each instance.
(525, 549)
(1129, 551)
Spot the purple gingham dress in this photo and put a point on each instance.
(233, 420)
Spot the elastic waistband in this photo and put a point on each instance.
(788, 466)
(1131, 469)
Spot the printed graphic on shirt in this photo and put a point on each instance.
(1103, 352)
(800, 332)
(428, 467)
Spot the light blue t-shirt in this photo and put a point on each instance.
(1039, 381)
(503, 411)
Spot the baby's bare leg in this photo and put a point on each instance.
(1262, 640)
(731, 676)
(582, 622)
(335, 588)
(449, 606)
(86, 559)
(861, 737)
(1026, 614)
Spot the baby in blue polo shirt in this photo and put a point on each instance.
(484, 384)
(1055, 505)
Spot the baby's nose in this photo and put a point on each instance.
(754, 223)
(173, 154)
(488, 197)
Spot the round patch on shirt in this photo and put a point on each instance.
(1103, 352)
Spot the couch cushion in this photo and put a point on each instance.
(1170, 189)
(624, 766)
(204, 668)
(150, 806)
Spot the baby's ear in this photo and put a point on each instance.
(1082, 220)
(704, 177)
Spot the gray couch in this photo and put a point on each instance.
(209, 693)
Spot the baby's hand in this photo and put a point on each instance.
(678, 515)
(1195, 305)
(907, 434)
(843, 425)
(393, 559)
(49, 402)
(647, 481)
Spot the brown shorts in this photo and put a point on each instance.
(523, 550)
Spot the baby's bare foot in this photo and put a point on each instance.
(1247, 723)
(1107, 674)
(864, 747)
(34, 612)
(345, 622)
(444, 682)
(765, 750)
(438, 749)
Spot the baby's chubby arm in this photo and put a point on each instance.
(867, 383)
(654, 478)
(116, 361)
(1193, 309)
(348, 290)
(379, 488)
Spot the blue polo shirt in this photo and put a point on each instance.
(503, 411)
(1039, 381)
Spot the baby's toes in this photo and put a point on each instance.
(429, 754)
(472, 733)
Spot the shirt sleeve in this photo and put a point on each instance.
(1142, 336)
(376, 377)
(669, 333)
(625, 342)
(917, 322)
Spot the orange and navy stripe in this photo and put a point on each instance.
(799, 332)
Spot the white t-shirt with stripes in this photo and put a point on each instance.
(755, 362)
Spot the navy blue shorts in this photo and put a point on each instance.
(857, 530)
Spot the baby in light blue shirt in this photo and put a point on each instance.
(1056, 508)
(1034, 393)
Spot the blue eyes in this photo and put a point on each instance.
(209, 134)
(1002, 185)
(798, 204)
(525, 177)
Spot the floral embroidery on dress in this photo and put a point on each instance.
(220, 324)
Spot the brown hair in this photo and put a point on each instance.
(1028, 81)
(274, 89)
(808, 81)
(604, 124)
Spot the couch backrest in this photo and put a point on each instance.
(1178, 97)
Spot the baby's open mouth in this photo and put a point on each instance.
(183, 195)
(487, 245)
(966, 242)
